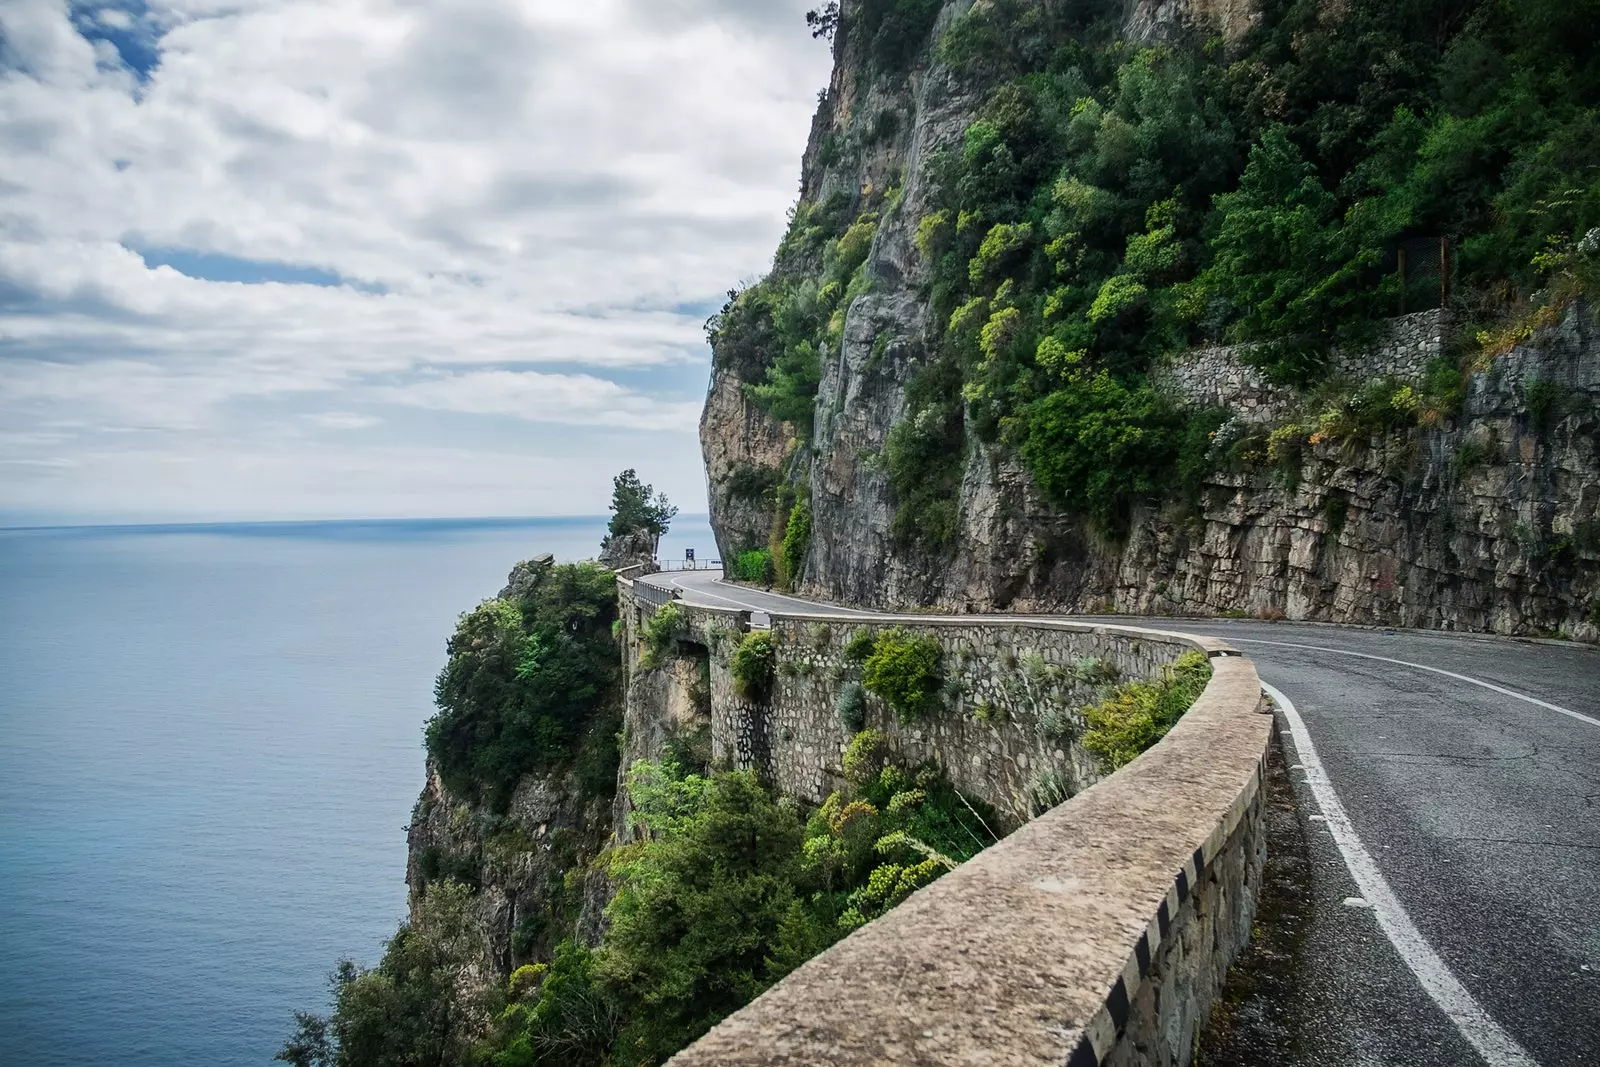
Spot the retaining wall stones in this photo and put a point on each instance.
(1218, 377)
(1098, 933)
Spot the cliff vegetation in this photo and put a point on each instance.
(1015, 213)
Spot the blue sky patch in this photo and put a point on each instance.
(217, 267)
(128, 27)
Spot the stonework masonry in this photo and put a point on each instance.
(1097, 933)
(1219, 377)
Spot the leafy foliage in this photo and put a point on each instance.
(661, 631)
(1138, 714)
(796, 540)
(752, 663)
(851, 706)
(636, 506)
(903, 669)
(754, 566)
(522, 680)
(418, 1005)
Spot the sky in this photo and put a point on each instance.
(279, 259)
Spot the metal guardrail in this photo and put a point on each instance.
(654, 595)
(689, 564)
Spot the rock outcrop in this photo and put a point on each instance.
(1485, 521)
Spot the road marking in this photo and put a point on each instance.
(1497, 1047)
(1580, 716)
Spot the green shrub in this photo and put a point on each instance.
(1139, 714)
(866, 755)
(749, 482)
(903, 669)
(859, 646)
(521, 681)
(754, 566)
(661, 632)
(752, 664)
(796, 540)
(851, 706)
(698, 925)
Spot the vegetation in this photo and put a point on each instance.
(418, 1005)
(903, 669)
(661, 632)
(636, 506)
(851, 706)
(527, 683)
(1138, 714)
(796, 541)
(754, 566)
(752, 663)
(1109, 205)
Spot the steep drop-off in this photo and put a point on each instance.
(1439, 470)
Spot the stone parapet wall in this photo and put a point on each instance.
(1007, 729)
(1098, 933)
(1218, 376)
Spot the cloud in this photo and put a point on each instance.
(580, 399)
(343, 420)
(230, 223)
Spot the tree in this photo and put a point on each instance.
(424, 1003)
(636, 506)
(824, 21)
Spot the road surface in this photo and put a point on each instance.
(1449, 786)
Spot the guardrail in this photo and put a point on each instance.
(654, 595)
(689, 564)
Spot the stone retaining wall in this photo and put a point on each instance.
(1218, 377)
(1098, 933)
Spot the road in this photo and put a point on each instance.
(1449, 789)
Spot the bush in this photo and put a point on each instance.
(754, 566)
(522, 679)
(661, 632)
(851, 706)
(699, 921)
(752, 664)
(866, 755)
(749, 482)
(796, 540)
(1139, 714)
(904, 670)
(859, 646)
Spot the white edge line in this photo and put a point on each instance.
(1497, 1047)
(1580, 716)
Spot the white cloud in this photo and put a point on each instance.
(531, 205)
(579, 399)
(343, 420)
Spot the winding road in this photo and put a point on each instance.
(1449, 789)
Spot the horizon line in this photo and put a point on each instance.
(388, 520)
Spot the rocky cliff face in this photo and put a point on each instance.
(1487, 520)
(530, 865)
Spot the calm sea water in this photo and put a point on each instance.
(210, 741)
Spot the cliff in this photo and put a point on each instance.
(922, 444)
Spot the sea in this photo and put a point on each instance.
(210, 743)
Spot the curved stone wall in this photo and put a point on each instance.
(1098, 933)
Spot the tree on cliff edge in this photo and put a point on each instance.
(635, 507)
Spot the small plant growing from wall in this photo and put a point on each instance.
(851, 706)
(859, 646)
(1138, 714)
(661, 631)
(821, 636)
(752, 664)
(903, 669)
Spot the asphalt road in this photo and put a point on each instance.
(1477, 810)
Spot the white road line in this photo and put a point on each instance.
(1497, 1047)
(1434, 670)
